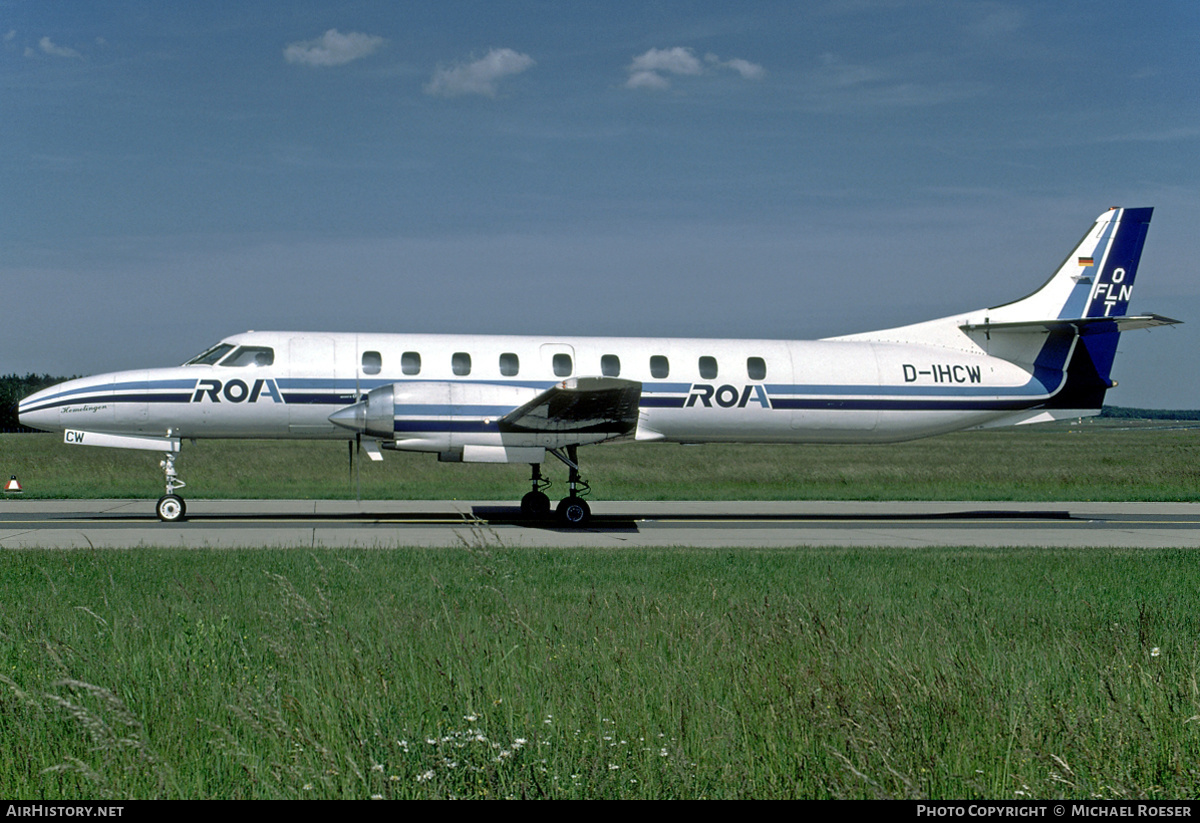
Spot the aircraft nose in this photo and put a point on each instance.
(34, 412)
(84, 403)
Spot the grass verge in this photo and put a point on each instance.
(494, 672)
(1095, 462)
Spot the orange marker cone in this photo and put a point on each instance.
(13, 487)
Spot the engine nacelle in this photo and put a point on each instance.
(393, 411)
(372, 415)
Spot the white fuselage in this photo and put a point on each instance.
(452, 388)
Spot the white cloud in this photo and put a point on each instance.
(57, 51)
(480, 76)
(647, 80)
(748, 70)
(332, 48)
(651, 70)
(675, 61)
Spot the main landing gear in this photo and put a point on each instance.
(572, 510)
(171, 508)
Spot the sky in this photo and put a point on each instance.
(172, 173)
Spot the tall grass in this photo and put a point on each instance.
(1040, 463)
(493, 672)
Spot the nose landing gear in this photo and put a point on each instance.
(171, 508)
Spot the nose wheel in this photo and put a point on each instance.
(171, 508)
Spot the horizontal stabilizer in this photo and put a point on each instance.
(1082, 325)
(606, 405)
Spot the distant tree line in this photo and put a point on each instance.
(13, 387)
(1125, 413)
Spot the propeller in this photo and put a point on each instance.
(354, 447)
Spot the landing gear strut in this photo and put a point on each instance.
(171, 508)
(572, 510)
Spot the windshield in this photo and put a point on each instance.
(250, 356)
(210, 355)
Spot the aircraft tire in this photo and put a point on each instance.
(535, 504)
(171, 508)
(574, 511)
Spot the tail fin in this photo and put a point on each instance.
(1068, 327)
(1096, 279)
(1085, 301)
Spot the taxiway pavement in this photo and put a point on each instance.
(113, 524)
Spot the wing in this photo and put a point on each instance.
(586, 405)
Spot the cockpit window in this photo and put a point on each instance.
(210, 355)
(250, 356)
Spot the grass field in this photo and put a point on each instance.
(487, 671)
(490, 672)
(1089, 462)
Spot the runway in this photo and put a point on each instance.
(113, 524)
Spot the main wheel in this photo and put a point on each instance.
(574, 511)
(171, 508)
(535, 504)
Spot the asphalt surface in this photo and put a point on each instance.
(112, 524)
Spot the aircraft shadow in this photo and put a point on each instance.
(485, 516)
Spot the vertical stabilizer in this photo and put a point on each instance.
(1096, 279)
(1094, 282)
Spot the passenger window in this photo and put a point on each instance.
(708, 368)
(372, 362)
(562, 365)
(659, 367)
(510, 364)
(410, 362)
(460, 363)
(610, 365)
(250, 356)
(756, 368)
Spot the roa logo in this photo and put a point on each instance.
(727, 396)
(236, 391)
